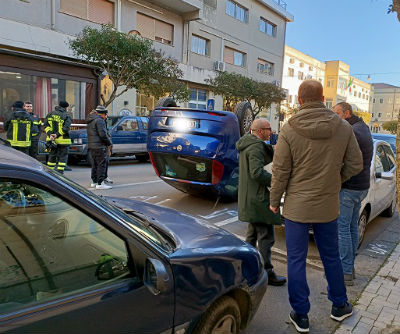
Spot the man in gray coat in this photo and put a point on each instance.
(315, 153)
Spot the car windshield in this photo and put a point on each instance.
(146, 231)
(390, 139)
(111, 121)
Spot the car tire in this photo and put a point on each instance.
(362, 225)
(389, 212)
(223, 316)
(244, 113)
(142, 157)
(166, 102)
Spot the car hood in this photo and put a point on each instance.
(187, 231)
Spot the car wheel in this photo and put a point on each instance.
(223, 317)
(142, 157)
(244, 113)
(362, 225)
(389, 212)
(166, 102)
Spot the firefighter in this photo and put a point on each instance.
(35, 131)
(57, 126)
(18, 128)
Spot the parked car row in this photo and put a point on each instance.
(72, 260)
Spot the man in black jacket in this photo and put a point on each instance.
(353, 192)
(35, 131)
(98, 141)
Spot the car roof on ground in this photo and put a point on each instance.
(14, 158)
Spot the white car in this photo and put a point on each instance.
(381, 198)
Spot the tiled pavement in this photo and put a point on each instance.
(377, 311)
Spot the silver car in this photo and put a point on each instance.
(381, 198)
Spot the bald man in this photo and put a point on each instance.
(315, 153)
(253, 202)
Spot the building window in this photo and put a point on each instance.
(291, 72)
(379, 114)
(198, 98)
(330, 83)
(236, 11)
(291, 60)
(99, 11)
(310, 68)
(264, 66)
(355, 93)
(373, 115)
(154, 29)
(373, 101)
(329, 103)
(300, 75)
(309, 77)
(43, 92)
(234, 57)
(301, 64)
(267, 27)
(380, 100)
(200, 45)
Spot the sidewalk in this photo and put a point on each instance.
(378, 308)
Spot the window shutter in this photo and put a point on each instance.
(228, 55)
(164, 31)
(146, 26)
(74, 7)
(101, 11)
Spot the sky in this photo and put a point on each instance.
(357, 32)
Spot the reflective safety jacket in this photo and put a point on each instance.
(36, 127)
(18, 128)
(58, 122)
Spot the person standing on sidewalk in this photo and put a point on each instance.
(35, 131)
(353, 192)
(18, 126)
(98, 141)
(253, 200)
(316, 151)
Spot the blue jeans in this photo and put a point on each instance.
(326, 238)
(350, 204)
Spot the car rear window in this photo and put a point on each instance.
(183, 167)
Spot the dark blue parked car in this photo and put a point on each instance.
(72, 262)
(129, 136)
(194, 150)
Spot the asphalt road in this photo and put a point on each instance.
(136, 180)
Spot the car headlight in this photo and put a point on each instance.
(78, 141)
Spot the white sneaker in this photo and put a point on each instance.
(93, 185)
(108, 180)
(103, 186)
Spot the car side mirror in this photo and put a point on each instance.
(384, 175)
(156, 277)
(119, 128)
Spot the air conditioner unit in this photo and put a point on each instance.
(219, 66)
(276, 83)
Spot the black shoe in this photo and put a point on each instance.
(341, 313)
(300, 322)
(274, 279)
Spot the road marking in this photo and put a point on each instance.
(220, 213)
(163, 201)
(226, 221)
(136, 183)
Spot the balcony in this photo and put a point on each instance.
(279, 7)
(181, 7)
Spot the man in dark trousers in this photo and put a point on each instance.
(18, 127)
(316, 151)
(253, 201)
(353, 192)
(98, 142)
(35, 131)
(57, 127)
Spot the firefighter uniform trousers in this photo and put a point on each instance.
(58, 158)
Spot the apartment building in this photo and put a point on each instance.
(204, 36)
(385, 105)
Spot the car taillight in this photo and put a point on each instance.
(215, 114)
(153, 163)
(217, 172)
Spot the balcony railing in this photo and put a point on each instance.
(281, 3)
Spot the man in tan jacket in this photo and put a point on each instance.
(315, 153)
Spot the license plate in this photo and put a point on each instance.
(184, 123)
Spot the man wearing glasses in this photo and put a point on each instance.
(253, 202)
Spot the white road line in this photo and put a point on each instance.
(136, 183)
(160, 202)
(227, 221)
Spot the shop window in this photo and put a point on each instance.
(198, 98)
(45, 93)
(267, 27)
(234, 57)
(144, 104)
(99, 11)
(264, 66)
(154, 29)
